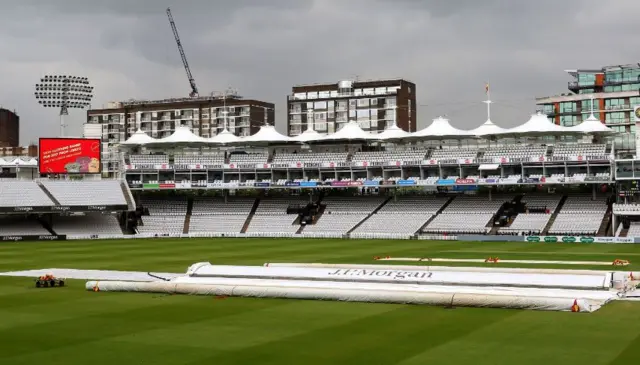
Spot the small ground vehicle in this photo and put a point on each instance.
(48, 281)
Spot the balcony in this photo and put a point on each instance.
(618, 107)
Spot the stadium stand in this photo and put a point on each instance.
(454, 153)
(402, 216)
(216, 215)
(249, 158)
(580, 149)
(306, 157)
(98, 192)
(417, 154)
(515, 151)
(204, 159)
(467, 214)
(79, 224)
(165, 215)
(590, 212)
(533, 222)
(21, 226)
(20, 193)
(271, 216)
(149, 159)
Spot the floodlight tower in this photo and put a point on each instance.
(64, 92)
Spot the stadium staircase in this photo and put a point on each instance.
(47, 226)
(370, 215)
(624, 232)
(256, 203)
(442, 208)
(187, 217)
(128, 196)
(546, 229)
(605, 227)
(492, 223)
(46, 191)
(321, 209)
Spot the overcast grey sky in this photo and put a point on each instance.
(263, 47)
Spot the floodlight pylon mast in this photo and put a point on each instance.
(192, 81)
(64, 92)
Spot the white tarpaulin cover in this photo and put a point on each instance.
(517, 298)
(416, 276)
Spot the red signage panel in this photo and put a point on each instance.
(69, 156)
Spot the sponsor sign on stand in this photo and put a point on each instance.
(446, 182)
(430, 162)
(564, 239)
(292, 183)
(465, 181)
(371, 183)
(261, 184)
(17, 238)
(308, 184)
(346, 183)
(406, 182)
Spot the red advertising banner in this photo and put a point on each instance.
(69, 156)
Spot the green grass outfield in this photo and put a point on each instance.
(72, 326)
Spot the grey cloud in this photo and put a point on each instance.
(449, 48)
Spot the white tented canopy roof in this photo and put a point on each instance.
(487, 128)
(309, 135)
(350, 131)
(592, 125)
(539, 125)
(138, 138)
(266, 134)
(441, 129)
(181, 135)
(224, 137)
(9, 161)
(393, 132)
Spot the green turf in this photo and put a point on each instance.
(72, 326)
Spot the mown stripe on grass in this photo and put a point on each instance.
(382, 339)
(248, 329)
(18, 340)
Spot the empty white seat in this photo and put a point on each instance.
(19, 193)
(86, 192)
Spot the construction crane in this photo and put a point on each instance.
(194, 88)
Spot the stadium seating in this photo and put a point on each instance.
(21, 226)
(304, 157)
(165, 216)
(406, 215)
(516, 151)
(81, 224)
(248, 158)
(271, 216)
(467, 214)
(634, 229)
(580, 149)
(417, 154)
(204, 159)
(454, 153)
(216, 215)
(148, 159)
(91, 192)
(20, 193)
(580, 215)
(533, 222)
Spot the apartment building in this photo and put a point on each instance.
(616, 93)
(374, 105)
(205, 116)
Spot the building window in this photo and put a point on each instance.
(586, 79)
(568, 107)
